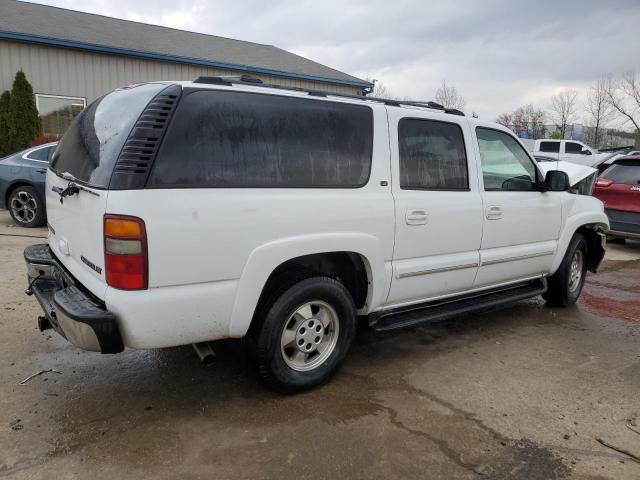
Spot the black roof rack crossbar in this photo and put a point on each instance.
(256, 82)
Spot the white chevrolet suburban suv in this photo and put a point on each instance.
(185, 212)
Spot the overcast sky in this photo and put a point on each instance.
(500, 54)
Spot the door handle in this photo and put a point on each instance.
(494, 212)
(417, 216)
(41, 170)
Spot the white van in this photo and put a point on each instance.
(181, 213)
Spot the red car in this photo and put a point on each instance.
(619, 189)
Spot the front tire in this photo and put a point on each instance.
(26, 207)
(303, 334)
(565, 286)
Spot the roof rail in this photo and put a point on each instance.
(256, 82)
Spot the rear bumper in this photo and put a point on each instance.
(70, 309)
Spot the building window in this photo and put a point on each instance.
(57, 112)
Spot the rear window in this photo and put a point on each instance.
(551, 147)
(627, 173)
(91, 145)
(231, 139)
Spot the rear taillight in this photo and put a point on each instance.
(604, 182)
(125, 252)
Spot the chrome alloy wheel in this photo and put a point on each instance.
(575, 271)
(309, 336)
(24, 207)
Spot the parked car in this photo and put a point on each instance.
(619, 189)
(22, 179)
(567, 150)
(194, 211)
(608, 160)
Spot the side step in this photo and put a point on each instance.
(451, 307)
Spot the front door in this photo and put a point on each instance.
(438, 206)
(521, 222)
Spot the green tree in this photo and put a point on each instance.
(555, 135)
(5, 148)
(24, 122)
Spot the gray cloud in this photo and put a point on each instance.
(500, 54)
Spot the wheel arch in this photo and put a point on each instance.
(592, 227)
(352, 257)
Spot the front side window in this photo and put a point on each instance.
(571, 147)
(432, 155)
(57, 113)
(505, 164)
(221, 139)
(551, 147)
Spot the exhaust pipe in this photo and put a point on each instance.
(205, 353)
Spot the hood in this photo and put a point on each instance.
(576, 172)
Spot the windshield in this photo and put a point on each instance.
(90, 147)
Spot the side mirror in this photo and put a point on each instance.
(586, 152)
(556, 181)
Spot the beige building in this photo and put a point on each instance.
(71, 58)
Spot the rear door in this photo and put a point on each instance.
(437, 203)
(86, 156)
(521, 223)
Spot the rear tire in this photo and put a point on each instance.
(565, 286)
(26, 207)
(303, 334)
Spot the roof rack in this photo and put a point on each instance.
(256, 82)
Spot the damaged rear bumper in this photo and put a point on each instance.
(70, 309)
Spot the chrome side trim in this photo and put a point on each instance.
(518, 257)
(437, 270)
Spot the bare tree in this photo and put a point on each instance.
(380, 90)
(505, 119)
(624, 98)
(525, 121)
(563, 108)
(448, 97)
(598, 109)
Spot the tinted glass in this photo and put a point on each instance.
(91, 146)
(230, 139)
(553, 147)
(40, 154)
(432, 155)
(627, 173)
(505, 164)
(570, 147)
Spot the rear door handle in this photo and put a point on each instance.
(416, 216)
(494, 212)
(41, 170)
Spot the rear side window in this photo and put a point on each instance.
(231, 139)
(92, 143)
(41, 154)
(627, 173)
(551, 147)
(570, 147)
(432, 155)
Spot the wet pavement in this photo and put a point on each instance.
(518, 393)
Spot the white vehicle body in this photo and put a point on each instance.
(567, 150)
(211, 251)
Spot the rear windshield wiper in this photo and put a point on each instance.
(73, 188)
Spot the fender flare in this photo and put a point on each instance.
(573, 223)
(266, 258)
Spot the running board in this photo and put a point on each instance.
(451, 307)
